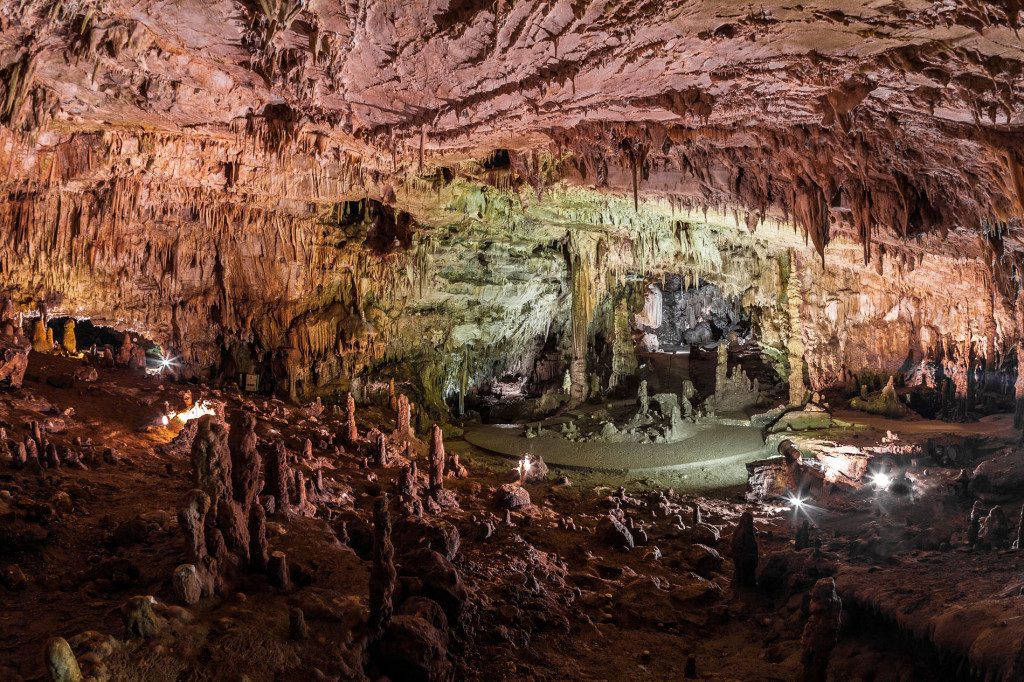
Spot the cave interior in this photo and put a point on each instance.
(545, 340)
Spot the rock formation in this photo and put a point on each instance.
(744, 552)
(382, 573)
(821, 632)
(436, 459)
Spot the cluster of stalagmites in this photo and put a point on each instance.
(36, 451)
(421, 614)
(223, 521)
(416, 602)
(780, 575)
(15, 346)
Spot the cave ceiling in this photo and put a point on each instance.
(903, 116)
(183, 167)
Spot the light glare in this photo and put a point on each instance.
(881, 480)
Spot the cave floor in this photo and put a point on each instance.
(546, 599)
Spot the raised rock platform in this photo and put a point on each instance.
(712, 445)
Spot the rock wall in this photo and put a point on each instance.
(914, 318)
(237, 259)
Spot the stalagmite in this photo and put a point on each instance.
(67, 341)
(278, 572)
(744, 552)
(624, 362)
(277, 475)
(584, 294)
(403, 428)
(191, 521)
(1018, 543)
(974, 524)
(124, 352)
(297, 628)
(40, 344)
(246, 463)
(211, 459)
(642, 399)
(436, 459)
(382, 571)
(1018, 386)
(821, 632)
(259, 550)
(803, 535)
(407, 488)
(351, 432)
(455, 468)
(383, 456)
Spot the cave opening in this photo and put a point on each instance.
(382, 228)
(89, 336)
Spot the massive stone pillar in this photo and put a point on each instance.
(795, 343)
(623, 354)
(1018, 387)
(585, 277)
(581, 312)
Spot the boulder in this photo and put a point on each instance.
(648, 601)
(413, 649)
(612, 532)
(703, 534)
(435, 578)
(512, 496)
(663, 403)
(787, 571)
(412, 532)
(14, 352)
(1000, 478)
(188, 586)
(61, 662)
(702, 559)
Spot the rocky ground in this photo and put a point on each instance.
(597, 577)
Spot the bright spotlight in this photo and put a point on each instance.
(796, 503)
(881, 480)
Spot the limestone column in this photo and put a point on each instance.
(795, 343)
(623, 354)
(1018, 387)
(581, 313)
(463, 381)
